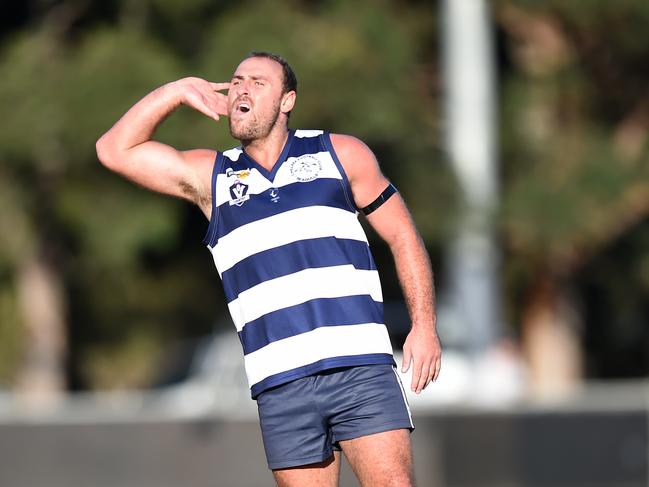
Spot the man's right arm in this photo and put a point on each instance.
(127, 147)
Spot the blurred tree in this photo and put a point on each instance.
(575, 120)
(33, 165)
(59, 98)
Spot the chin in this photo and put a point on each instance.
(247, 132)
(238, 131)
(243, 135)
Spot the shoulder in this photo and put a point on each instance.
(354, 155)
(348, 145)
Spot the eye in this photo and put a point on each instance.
(259, 83)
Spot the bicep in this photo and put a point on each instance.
(163, 169)
(393, 222)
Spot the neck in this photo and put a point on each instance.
(266, 150)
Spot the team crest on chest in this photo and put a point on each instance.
(305, 168)
(238, 189)
(238, 193)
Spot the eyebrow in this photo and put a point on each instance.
(254, 77)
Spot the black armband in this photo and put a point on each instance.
(383, 197)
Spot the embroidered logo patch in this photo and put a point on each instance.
(238, 193)
(305, 168)
(242, 174)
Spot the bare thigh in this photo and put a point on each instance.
(323, 474)
(382, 459)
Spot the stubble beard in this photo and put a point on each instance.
(254, 128)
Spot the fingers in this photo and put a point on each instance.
(419, 377)
(221, 101)
(406, 358)
(212, 104)
(204, 96)
(437, 368)
(425, 355)
(220, 105)
(419, 371)
(208, 111)
(424, 372)
(433, 372)
(220, 86)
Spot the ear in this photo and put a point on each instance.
(288, 102)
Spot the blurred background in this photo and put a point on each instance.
(516, 131)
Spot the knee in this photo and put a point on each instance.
(403, 479)
(401, 483)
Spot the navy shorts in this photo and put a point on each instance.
(302, 421)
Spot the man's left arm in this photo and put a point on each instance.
(393, 223)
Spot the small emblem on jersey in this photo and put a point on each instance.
(242, 174)
(306, 168)
(274, 195)
(238, 193)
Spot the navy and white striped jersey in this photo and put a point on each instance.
(297, 271)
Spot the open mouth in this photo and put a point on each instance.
(243, 107)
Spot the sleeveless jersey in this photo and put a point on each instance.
(297, 272)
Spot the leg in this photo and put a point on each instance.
(382, 459)
(323, 474)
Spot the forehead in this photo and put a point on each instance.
(260, 66)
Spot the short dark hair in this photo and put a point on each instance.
(290, 80)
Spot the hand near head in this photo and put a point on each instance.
(128, 148)
(202, 95)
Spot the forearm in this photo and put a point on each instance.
(416, 278)
(139, 123)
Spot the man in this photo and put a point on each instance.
(298, 276)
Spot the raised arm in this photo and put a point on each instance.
(127, 147)
(392, 221)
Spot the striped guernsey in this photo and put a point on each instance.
(297, 271)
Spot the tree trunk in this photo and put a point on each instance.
(551, 340)
(41, 378)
